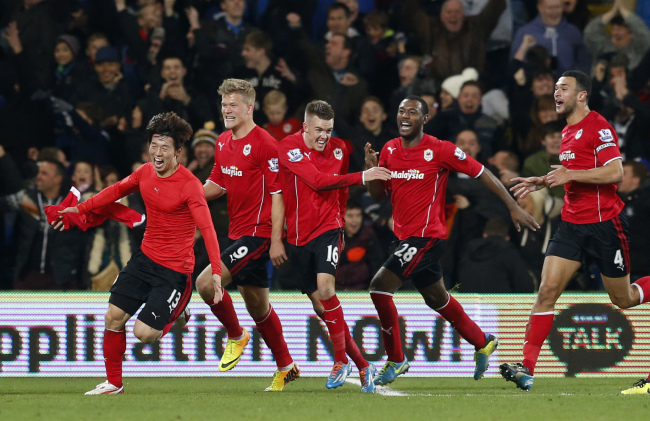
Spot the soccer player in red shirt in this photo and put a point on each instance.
(246, 169)
(160, 274)
(313, 172)
(592, 222)
(420, 166)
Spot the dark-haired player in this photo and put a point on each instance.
(313, 172)
(159, 275)
(420, 166)
(246, 169)
(592, 222)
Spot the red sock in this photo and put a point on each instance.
(643, 286)
(453, 312)
(270, 328)
(353, 351)
(336, 326)
(225, 312)
(538, 327)
(389, 325)
(114, 348)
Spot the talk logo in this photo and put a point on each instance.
(590, 337)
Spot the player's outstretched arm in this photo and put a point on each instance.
(212, 190)
(612, 173)
(58, 224)
(527, 185)
(518, 215)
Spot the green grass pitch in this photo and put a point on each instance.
(239, 399)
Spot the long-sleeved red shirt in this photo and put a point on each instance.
(314, 186)
(175, 206)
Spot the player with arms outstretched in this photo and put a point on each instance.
(313, 171)
(420, 166)
(246, 169)
(592, 222)
(159, 275)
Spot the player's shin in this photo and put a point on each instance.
(388, 317)
(114, 346)
(454, 313)
(225, 312)
(270, 329)
(538, 328)
(336, 326)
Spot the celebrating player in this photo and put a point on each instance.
(420, 166)
(246, 169)
(159, 275)
(592, 222)
(313, 172)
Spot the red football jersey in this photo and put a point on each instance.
(284, 129)
(418, 183)
(175, 206)
(591, 143)
(247, 169)
(314, 186)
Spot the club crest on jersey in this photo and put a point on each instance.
(579, 134)
(460, 154)
(407, 175)
(565, 156)
(273, 165)
(295, 155)
(247, 150)
(428, 155)
(605, 135)
(338, 153)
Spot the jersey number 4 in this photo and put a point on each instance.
(618, 259)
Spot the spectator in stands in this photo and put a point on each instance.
(539, 163)
(533, 244)
(562, 39)
(577, 13)
(629, 36)
(468, 115)
(266, 74)
(506, 164)
(492, 264)
(203, 144)
(453, 40)
(176, 95)
(542, 112)
(371, 128)
(362, 257)
(386, 53)
(275, 109)
(331, 77)
(45, 259)
(68, 72)
(410, 83)
(635, 192)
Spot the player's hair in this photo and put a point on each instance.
(320, 109)
(425, 106)
(339, 6)
(551, 127)
(259, 39)
(60, 168)
(496, 226)
(238, 86)
(583, 81)
(275, 97)
(376, 18)
(170, 125)
(638, 169)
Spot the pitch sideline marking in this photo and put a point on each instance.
(381, 390)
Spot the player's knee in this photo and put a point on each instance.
(146, 335)
(205, 287)
(548, 292)
(622, 302)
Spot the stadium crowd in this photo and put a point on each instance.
(80, 79)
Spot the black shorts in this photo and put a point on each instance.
(246, 260)
(165, 291)
(605, 242)
(417, 259)
(320, 255)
